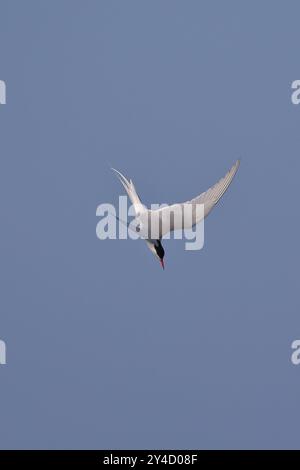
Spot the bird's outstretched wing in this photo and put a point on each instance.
(210, 197)
(173, 217)
(131, 191)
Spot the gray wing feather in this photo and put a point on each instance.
(131, 191)
(210, 197)
(172, 214)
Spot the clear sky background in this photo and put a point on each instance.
(104, 349)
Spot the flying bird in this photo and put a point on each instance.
(152, 225)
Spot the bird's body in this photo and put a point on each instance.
(153, 225)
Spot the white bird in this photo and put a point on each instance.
(154, 224)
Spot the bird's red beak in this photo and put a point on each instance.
(162, 263)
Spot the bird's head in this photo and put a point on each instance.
(160, 252)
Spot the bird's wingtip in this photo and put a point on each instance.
(236, 165)
(122, 178)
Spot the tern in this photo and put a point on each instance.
(146, 219)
